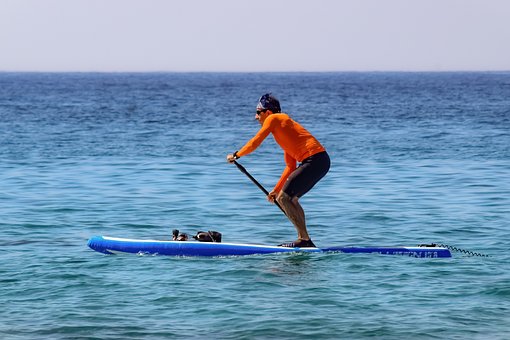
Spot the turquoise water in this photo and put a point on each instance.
(416, 158)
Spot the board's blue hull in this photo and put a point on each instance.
(113, 245)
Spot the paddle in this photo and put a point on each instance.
(244, 171)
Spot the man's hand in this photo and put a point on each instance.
(271, 197)
(231, 158)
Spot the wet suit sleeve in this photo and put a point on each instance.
(290, 166)
(254, 143)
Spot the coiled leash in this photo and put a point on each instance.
(452, 248)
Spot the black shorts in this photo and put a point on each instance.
(307, 174)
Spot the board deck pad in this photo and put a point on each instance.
(115, 245)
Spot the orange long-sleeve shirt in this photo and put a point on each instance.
(296, 142)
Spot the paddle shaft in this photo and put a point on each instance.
(244, 171)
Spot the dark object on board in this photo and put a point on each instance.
(208, 236)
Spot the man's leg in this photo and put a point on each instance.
(295, 213)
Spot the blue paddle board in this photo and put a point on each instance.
(115, 245)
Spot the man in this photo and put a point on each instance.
(298, 146)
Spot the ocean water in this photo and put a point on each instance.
(416, 158)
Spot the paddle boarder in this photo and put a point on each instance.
(299, 146)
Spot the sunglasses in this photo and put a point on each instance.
(261, 111)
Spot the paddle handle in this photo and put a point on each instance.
(244, 171)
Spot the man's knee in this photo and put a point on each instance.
(284, 199)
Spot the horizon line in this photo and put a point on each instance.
(261, 72)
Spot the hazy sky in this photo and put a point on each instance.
(261, 35)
